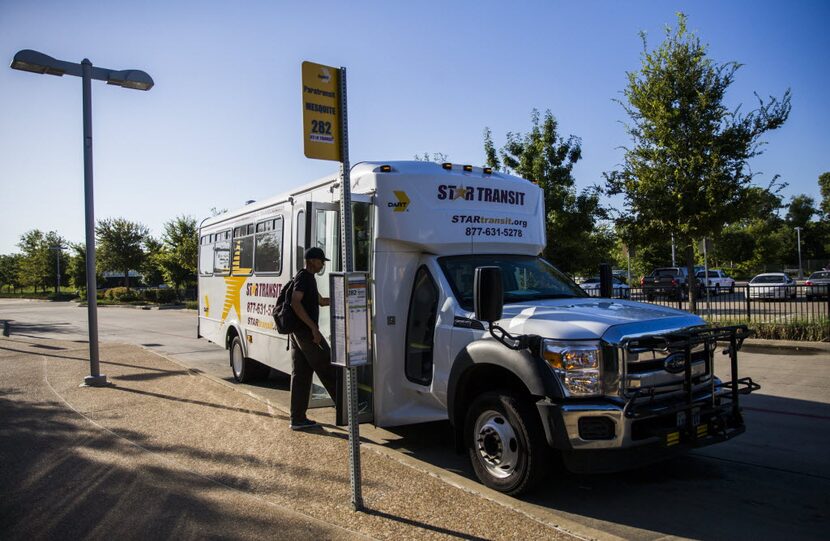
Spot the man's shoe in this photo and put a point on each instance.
(305, 424)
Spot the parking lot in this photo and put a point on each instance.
(771, 482)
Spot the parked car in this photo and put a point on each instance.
(717, 281)
(668, 282)
(620, 288)
(818, 285)
(772, 285)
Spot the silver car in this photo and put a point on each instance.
(818, 285)
(619, 288)
(772, 285)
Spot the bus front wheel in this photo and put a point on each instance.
(506, 443)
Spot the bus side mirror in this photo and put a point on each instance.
(488, 294)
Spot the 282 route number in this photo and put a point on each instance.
(321, 127)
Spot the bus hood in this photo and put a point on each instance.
(593, 319)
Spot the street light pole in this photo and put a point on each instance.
(36, 62)
(95, 378)
(800, 272)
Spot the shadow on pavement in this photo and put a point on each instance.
(61, 479)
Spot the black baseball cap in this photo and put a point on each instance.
(316, 253)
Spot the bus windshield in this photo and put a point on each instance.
(524, 278)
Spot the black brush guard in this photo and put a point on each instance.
(712, 414)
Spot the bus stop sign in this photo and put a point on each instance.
(321, 112)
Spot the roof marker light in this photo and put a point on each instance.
(447, 166)
(488, 170)
(385, 168)
(468, 168)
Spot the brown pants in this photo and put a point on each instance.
(308, 358)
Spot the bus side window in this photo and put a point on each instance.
(206, 255)
(361, 236)
(268, 246)
(222, 253)
(299, 261)
(420, 328)
(243, 249)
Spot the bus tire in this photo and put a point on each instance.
(243, 368)
(505, 442)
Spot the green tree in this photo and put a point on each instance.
(824, 187)
(10, 271)
(151, 271)
(178, 257)
(687, 170)
(121, 246)
(801, 210)
(77, 266)
(575, 242)
(39, 262)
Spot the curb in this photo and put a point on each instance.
(548, 518)
(787, 344)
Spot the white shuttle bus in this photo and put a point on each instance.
(544, 374)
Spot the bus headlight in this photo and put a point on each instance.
(579, 366)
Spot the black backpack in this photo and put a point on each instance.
(285, 320)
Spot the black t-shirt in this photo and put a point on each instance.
(305, 282)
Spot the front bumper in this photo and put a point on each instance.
(643, 426)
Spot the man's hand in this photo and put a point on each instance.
(325, 301)
(316, 337)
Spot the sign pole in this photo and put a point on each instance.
(325, 119)
(348, 266)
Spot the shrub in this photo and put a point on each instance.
(815, 330)
(166, 296)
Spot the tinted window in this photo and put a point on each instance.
(524, 278)
(268, 246)
(768, 280)
(420, 328)
(299, 262)
(206, 256)
(243, 249)
(222, 252)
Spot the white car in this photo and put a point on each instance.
(718, 281)
(772, 285)
(620, 288)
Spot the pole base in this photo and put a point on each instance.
(95, 381)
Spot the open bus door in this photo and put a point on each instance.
(323, 231)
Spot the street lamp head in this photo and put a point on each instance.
(35, 62)
(135, 79)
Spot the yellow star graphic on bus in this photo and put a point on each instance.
(233, 285)
(461, 193)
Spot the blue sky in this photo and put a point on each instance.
(223, 123)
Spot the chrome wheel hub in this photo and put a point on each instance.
(496, 443)
(237, 360)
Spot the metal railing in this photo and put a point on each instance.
(750, 303)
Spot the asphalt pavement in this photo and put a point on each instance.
(772, 482)
(165, 452)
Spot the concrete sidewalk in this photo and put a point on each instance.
(164, 452)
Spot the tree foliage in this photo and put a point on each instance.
(687, 170)
(38, 265)
(824, 188)
(575, 242)
(178, 256)
(121, 245)
(10, 272)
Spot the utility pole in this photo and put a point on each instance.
(800, 272)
